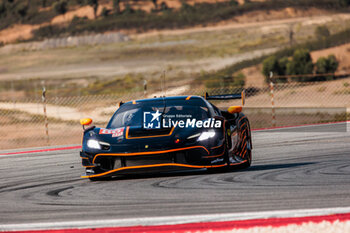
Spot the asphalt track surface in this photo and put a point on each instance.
(291, 170)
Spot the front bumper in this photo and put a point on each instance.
(109, 164)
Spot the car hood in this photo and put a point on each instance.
(137, 139)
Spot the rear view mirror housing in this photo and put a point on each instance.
(85, 122)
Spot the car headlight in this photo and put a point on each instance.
(94, 144)
(206, 135)
(194, 136)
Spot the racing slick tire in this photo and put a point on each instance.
(248, 156)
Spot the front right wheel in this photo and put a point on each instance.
(248, 155)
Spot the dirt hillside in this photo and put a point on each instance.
(24, 31)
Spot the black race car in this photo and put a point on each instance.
(167, 134)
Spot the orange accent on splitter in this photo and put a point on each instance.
(154, 165)
(149, 152)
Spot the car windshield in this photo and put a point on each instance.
(134, 114)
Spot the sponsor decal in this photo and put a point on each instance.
(192, 123)
(151, 120)
(115, 132)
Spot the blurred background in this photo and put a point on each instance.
(63, 60)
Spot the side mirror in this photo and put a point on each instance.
(85, 121)
(234, 109)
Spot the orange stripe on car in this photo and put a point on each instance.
(242, 119)
(149, 152)
(82, 138)
(242, 150)
(217, 146)
(214, 156)
(188, 97)
(238, 163)
(242, 125)
(245, 151)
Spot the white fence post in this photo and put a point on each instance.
(45, 115)
(272, 101)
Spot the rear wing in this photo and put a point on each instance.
(226, 97)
